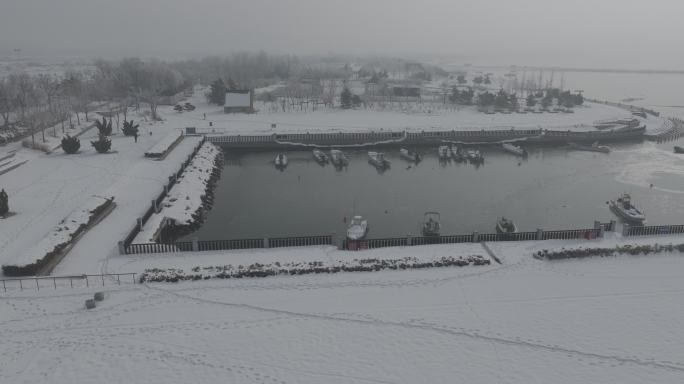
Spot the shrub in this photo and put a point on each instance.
(104, 126)
(70, 144)
(130, 129)
(102, 144)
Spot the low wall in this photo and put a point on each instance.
(156, 202)
(483, 137)
(302, 241)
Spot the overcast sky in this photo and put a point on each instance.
(573, 33)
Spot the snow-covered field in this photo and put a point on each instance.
(48, 187)
(599, 320)
(407, 117)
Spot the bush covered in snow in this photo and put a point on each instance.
(130, 129)
(229, 271)
(102, 144)
(70, 144)
(603, 252)
(104, 126)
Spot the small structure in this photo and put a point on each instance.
(4, 203)
(239, 101)
(406, 91)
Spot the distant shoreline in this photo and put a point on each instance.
(593, 70)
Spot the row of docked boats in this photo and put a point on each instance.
(447, 153)
(444, 152)
(378, 159)
(431, 227)
(336, 157)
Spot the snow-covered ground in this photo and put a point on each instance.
(409, 117)
(598, 320)
(63, 233)
(48, 187)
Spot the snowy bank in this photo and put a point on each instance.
(162, 147)
(50, 248)
(182, 209)
(629, 249)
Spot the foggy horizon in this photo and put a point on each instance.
(583, 34)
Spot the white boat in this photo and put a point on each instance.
(475, 156)
(624, 208)
(444, 152)
(431, 226)
(378, 160)
(514, 149)
(595, 147)
(280, 160)
(409, 155)
(338, 158)
(504, 225)
(320, 156)
(358, 228)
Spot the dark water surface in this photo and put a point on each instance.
(555, 188)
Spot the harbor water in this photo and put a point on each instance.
(554, 188)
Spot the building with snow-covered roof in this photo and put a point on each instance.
(239, 101)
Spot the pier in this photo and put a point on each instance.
(424, 138)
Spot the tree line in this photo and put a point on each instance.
(37, 101)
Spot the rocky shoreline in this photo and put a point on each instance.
(209, 160)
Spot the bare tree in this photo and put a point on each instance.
(25, 91)
(7, 100)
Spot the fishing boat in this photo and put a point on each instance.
(595, 147)
(624, 208)
(357, 229)
(431, 226)
(409, 155)
(338, 158)
(444, 152)
(320, 156)
(457, 153)
(377, 159)
(475, 156)
(504, 225)
(514, 149)
(678, 149)
(280, 161)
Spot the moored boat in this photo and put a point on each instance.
(475, 156)
(457, 153)
(409, 155)
(320, 156)
(378, 160)
(280, 161)
(595, 147)
(431, 226)
(444, 152)
(623, 208)
(504, 225)
(358, 228)
(514, 149)
(338, 158)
